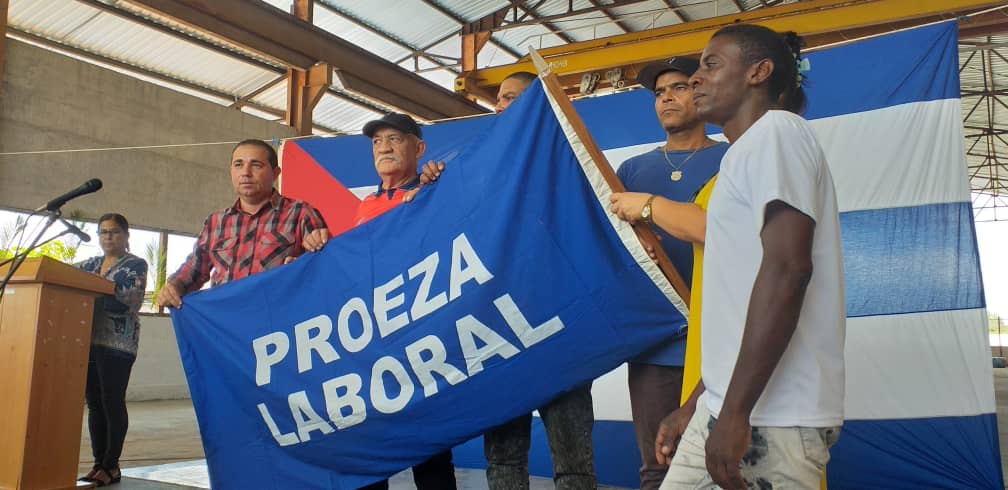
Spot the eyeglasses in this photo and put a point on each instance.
(109, 232)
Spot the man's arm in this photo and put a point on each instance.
(683, 220)
(774, 307)
(314, 230)
(193, 273)
(673, 426)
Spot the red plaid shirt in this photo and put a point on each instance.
(234, 244)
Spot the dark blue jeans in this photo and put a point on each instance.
(568, 420)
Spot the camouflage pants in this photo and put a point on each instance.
(777, 458)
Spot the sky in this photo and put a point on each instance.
(179, 246)
(992, 240)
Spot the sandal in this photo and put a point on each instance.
(102, 478)
(90, 476)
(116, 475)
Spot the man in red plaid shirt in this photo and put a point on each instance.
(260, 231)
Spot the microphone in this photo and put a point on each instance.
(58, 202)
(72, 228)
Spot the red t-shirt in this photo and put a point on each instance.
(381, 202)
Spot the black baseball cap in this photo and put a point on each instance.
(649, 74)
(402, 122)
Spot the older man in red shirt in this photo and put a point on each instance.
(397, 144)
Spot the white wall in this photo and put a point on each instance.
(157, 372)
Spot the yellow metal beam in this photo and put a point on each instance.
(809, 18)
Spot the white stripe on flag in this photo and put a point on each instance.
(905, 155)
(918, 365)
(611, 397)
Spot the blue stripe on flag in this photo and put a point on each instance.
(941, 452)
(911, 259)
(911, 74)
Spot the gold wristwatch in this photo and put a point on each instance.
(645, 213)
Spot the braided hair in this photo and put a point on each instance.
(784, 50)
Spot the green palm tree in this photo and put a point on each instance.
(157, 273)
(8, 233)
(57, 249)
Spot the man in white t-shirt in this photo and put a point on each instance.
(773, 294)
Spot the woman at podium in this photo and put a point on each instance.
(114, 338)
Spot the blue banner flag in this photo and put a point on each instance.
(501, 286)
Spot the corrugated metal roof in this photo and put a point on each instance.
(519, 38)
(357, 35)
(50, 19)
(647, 15)
(982, 77)
(411, 22)
(705, 9)
(177, 27)
(139, 46)
(492, 55)
(391, 29)
(77, 25)
(585, 27)
(472, 10)
(345, 116)
(398, 29)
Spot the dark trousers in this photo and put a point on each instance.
(654, 393)
(568, 420)
(437, 473)
(105, 392)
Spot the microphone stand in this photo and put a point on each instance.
(19, 258)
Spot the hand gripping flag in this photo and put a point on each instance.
(500, 287)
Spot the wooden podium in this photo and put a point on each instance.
(45, 336)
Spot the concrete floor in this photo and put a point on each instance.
(1001, 396)
(160, 432)
(163, 432)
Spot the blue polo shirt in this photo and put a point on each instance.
(651, 173)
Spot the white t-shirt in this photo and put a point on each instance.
(777, 158)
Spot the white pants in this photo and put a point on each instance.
(778, 457)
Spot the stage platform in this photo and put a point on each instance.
(193, 474)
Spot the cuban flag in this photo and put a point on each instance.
(920, 403)
(920, 409)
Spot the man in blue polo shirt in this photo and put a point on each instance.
(676, 171)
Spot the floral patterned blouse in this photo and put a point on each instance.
(117, 326)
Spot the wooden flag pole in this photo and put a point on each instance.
(644, 233)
